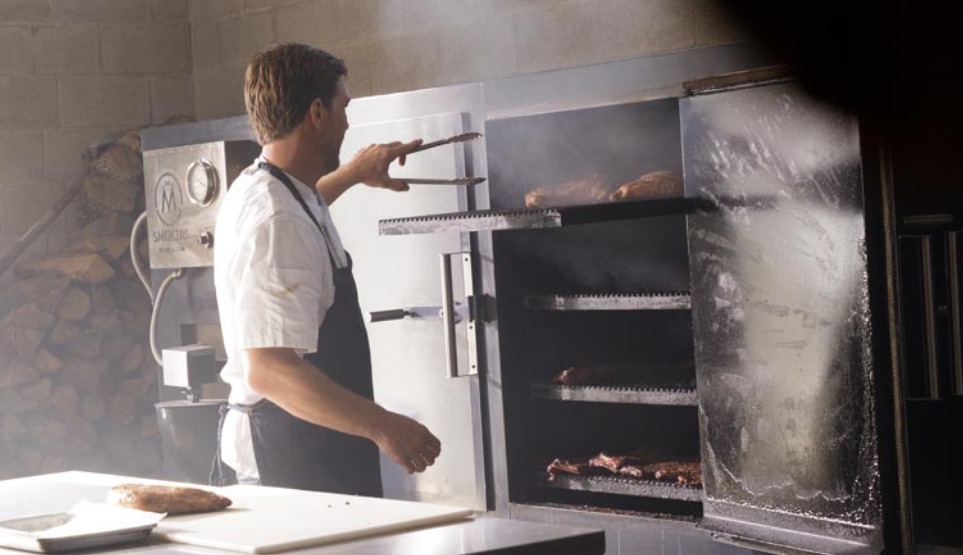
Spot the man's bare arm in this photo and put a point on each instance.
(369, 166)
(299, 388)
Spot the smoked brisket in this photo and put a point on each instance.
(589, 190)
(172, 500)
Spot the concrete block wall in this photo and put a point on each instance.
(72, 72)
(400, 45)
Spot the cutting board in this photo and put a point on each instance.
(267, 520)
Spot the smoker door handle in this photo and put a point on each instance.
(448, 316)
(386, 315)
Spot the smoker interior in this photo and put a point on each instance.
(927, 179)
(645, 256)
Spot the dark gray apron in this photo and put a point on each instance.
(293, 453)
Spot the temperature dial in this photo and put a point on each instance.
(202, 182)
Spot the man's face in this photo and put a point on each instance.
(336, 127)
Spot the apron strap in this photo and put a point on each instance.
(283, 178)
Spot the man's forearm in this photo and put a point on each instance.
(299, 388)
(332, 185)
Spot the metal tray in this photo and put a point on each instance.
(21, 533)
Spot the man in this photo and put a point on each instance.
(285, 291)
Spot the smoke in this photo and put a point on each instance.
(618, 143)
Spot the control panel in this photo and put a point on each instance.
(184, 187)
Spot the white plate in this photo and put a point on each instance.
(84, 526)
(22, 533)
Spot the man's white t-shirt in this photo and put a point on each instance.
(274, 284)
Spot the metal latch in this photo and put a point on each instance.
(461, 312)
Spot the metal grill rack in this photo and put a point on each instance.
(544, 218)
(660, 301)
(622, 486)
(638, 395)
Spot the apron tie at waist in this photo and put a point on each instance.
(221, 473)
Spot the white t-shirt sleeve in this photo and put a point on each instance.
(285, 285)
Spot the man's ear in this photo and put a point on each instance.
(317, 112)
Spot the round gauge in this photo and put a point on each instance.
(202, 182)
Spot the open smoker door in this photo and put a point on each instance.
(781, 320)
(412, 371)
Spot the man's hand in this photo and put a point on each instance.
(370, 164)
(407, 442)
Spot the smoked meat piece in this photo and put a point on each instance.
(172, 500)
(660, 184)
(580, 191)
(575, 468)
(597, 375)
(614, 463)
(682, 473)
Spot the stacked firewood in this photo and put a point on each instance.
(77, 380)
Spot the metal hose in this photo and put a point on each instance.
(176, 274)
(135, 260)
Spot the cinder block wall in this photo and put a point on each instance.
(400, 45)
(72, 72)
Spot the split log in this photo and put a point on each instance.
(87, 344)
(86, 375)
(11, 428)
(92, 407)
(114, 224)
(84, 267)
(66, 401)
(135, 388)
(75, 305)
(14, 403)
(121, 163)
(46, 291)
(18, 341)
(63, 333)
(112, 194)
(47, 362)
(132, 359)
(102, 301)
(135, 322)
(29, 316)
(122, 409)
(116, 344)
(107, 322)
(38, 393)
(17, 372)
(111, 247)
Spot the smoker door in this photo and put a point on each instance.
(409, 355)
(781, 322)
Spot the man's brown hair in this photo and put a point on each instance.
(281, 83)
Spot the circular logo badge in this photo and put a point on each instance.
(168, 199)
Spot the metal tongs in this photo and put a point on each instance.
(456, 139)
(457, 181)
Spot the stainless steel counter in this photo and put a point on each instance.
(477, 536)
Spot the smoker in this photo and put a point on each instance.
(769, 314)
